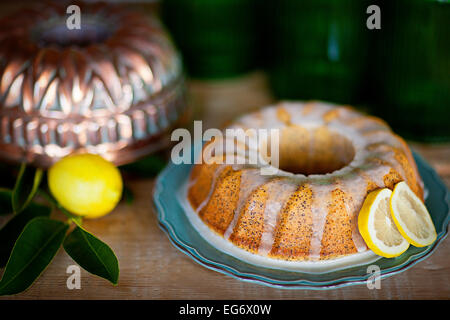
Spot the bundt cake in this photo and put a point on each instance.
(330, 158)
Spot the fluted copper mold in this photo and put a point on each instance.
(114, 87)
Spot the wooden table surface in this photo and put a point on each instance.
(152, 268)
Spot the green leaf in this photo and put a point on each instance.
(92, 254)
(33, 251)
(26, 186)
(5, 202)
(11, 231)
(147, 167)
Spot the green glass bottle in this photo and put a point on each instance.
(216, 37)
(320, 49)
(413, 68)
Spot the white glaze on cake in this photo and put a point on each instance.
(374, 160)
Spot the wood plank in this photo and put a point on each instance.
(152, 268)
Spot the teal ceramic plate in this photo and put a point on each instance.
(174, 221)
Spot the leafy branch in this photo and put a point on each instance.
(31, 238)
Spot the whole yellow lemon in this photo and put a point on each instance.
(86, 184)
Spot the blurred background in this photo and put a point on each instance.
(242, 54)
(322, 49)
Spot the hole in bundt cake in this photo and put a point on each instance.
(316, 150)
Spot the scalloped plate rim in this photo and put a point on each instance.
(295, 284)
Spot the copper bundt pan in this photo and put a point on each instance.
(113, 87)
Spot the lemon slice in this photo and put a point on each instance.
(377, 226)
(411, 216)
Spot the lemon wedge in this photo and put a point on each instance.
(411, 216)
(377, 227)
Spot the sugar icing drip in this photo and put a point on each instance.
(376, 174)
(306, 114)
(279, 192)
(268, 119)
(321, 200)
(250, 180)
(381, 136)
(396, 165)
(357, 188)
